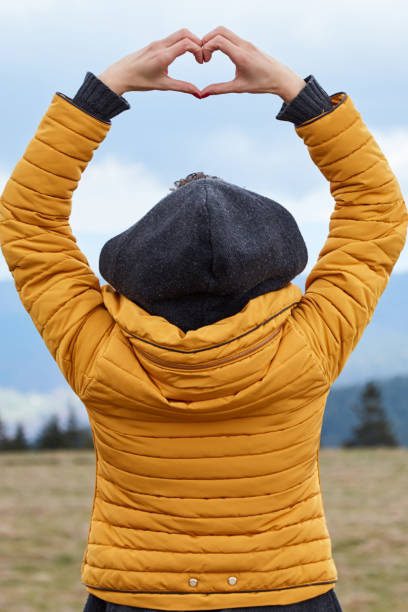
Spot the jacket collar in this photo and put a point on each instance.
(160, 338)
(209, 363)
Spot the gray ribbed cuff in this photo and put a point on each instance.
(310, 102)
(97, 99)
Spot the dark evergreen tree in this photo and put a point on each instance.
(76, 436)
(4, 440)
(73, 435)
(51, 436)
(19, 441)
(373, 428)
(86, 437)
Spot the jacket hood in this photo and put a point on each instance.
(202, 364)
(203, 252)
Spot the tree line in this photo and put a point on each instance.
(53, 435)
(372, 429)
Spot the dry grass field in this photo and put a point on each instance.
(46, 503)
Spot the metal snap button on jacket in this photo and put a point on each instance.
(193, 581)
(232, 580)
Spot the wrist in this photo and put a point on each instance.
(112, 82)
(312, 101)
(97, 99)
(291, 89)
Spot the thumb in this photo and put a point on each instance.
(184, 86)
(219, 88)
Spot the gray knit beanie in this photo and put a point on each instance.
(203, 251)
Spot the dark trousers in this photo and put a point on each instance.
(327, 602)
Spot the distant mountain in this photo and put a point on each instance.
(339, 418)
(27, 366)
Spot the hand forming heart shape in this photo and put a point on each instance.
(256, 72)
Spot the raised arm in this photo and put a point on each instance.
(369, 223)
(52, 276)
(367, 233)
(55, 282)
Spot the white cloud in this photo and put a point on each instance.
(3, 179)
(314, 206)
(34, 409)
(114, 194)
(4, 271)
(394, 144)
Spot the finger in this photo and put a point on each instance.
(181, 47)
(170, 84)
(206, 54)
(220, 43)
(219, 88)
(179, 35)
(223, 31)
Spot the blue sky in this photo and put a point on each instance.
(356, 47)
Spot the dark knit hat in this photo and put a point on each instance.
(203, 251)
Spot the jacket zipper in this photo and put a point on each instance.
(216, 362)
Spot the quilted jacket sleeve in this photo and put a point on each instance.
(367, 232)
(52, 276)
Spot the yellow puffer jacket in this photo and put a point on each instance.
(207, 490)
